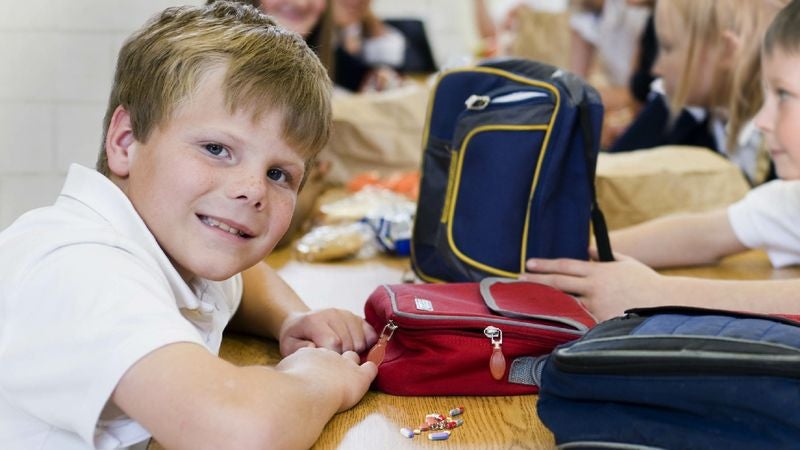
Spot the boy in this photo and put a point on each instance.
(768, 218)
(112, 301)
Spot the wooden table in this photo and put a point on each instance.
(490, 422)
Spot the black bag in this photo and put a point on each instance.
(508, 171)
(676, 378)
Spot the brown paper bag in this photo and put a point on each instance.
(377, 131)
(541, 36)
(636, 186)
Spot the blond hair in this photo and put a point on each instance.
(267, 67)
(784, 32)
(739, 91)
(320, 39)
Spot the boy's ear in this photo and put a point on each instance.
(120, 142)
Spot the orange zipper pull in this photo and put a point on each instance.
(378, 350)
(497, 362)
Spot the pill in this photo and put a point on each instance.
(407, 432)
(457, 411)
(439, 436)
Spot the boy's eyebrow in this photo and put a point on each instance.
(226, 134)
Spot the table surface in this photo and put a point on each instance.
(490, 422)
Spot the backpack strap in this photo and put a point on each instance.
(598, 220)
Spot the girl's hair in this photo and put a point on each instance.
(321, 39)
(784, 32)
(706, 22)
(267, 68)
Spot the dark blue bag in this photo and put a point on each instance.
(508, 171)
(676, 378)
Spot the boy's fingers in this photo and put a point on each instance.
(370, 335)
(335, 336)
(292, 345)
(352, 356)
(355, 334)
(561, 266)
(565, 283)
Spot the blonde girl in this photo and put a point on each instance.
(709, 58)
(766, 218)
(708, 64)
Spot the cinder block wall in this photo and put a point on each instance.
(56, 64)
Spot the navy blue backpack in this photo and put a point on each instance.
(675, 378)
(508, 172)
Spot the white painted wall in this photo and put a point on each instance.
(56, 64)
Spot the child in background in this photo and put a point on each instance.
(368, 51)
(312, 19)
(708, 92)
(766, 218)
(114, 299)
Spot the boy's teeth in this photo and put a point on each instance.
(221, 226)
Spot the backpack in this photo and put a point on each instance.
(508, 171)
(675, 378)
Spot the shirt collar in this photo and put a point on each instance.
(106, 199)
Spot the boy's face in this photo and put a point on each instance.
(216, 190)
(779, 117)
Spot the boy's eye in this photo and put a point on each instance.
(276, 175)
(216, 149)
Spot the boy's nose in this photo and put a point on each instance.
(764, 118)
(250, 189)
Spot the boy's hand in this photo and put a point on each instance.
(334, 329)
(331, 373)
(606, 289)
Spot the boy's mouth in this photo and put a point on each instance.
(223, 226)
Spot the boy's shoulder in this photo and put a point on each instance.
(89, 213)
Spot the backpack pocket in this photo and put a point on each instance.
(498, 148)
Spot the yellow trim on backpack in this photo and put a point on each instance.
(448, 204)
(451, 202)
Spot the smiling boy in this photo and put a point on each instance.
(113, 300)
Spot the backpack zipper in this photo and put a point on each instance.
(377, 352)
(477, 102)
(497, 362)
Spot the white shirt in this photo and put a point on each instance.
(769, 218)
(387, 49)
(615, 34)
(85, 292)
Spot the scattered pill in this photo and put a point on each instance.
(457, 411)
(407, 432)
(439, 436)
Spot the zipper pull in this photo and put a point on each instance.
(497, 363)
(477, 102)
(378, 350)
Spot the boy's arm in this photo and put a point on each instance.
(190, 399)
(267, 301)
(608, 289)
(679, 240)
(271, 308)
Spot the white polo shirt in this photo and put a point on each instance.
(85, 292)
(768, 217)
